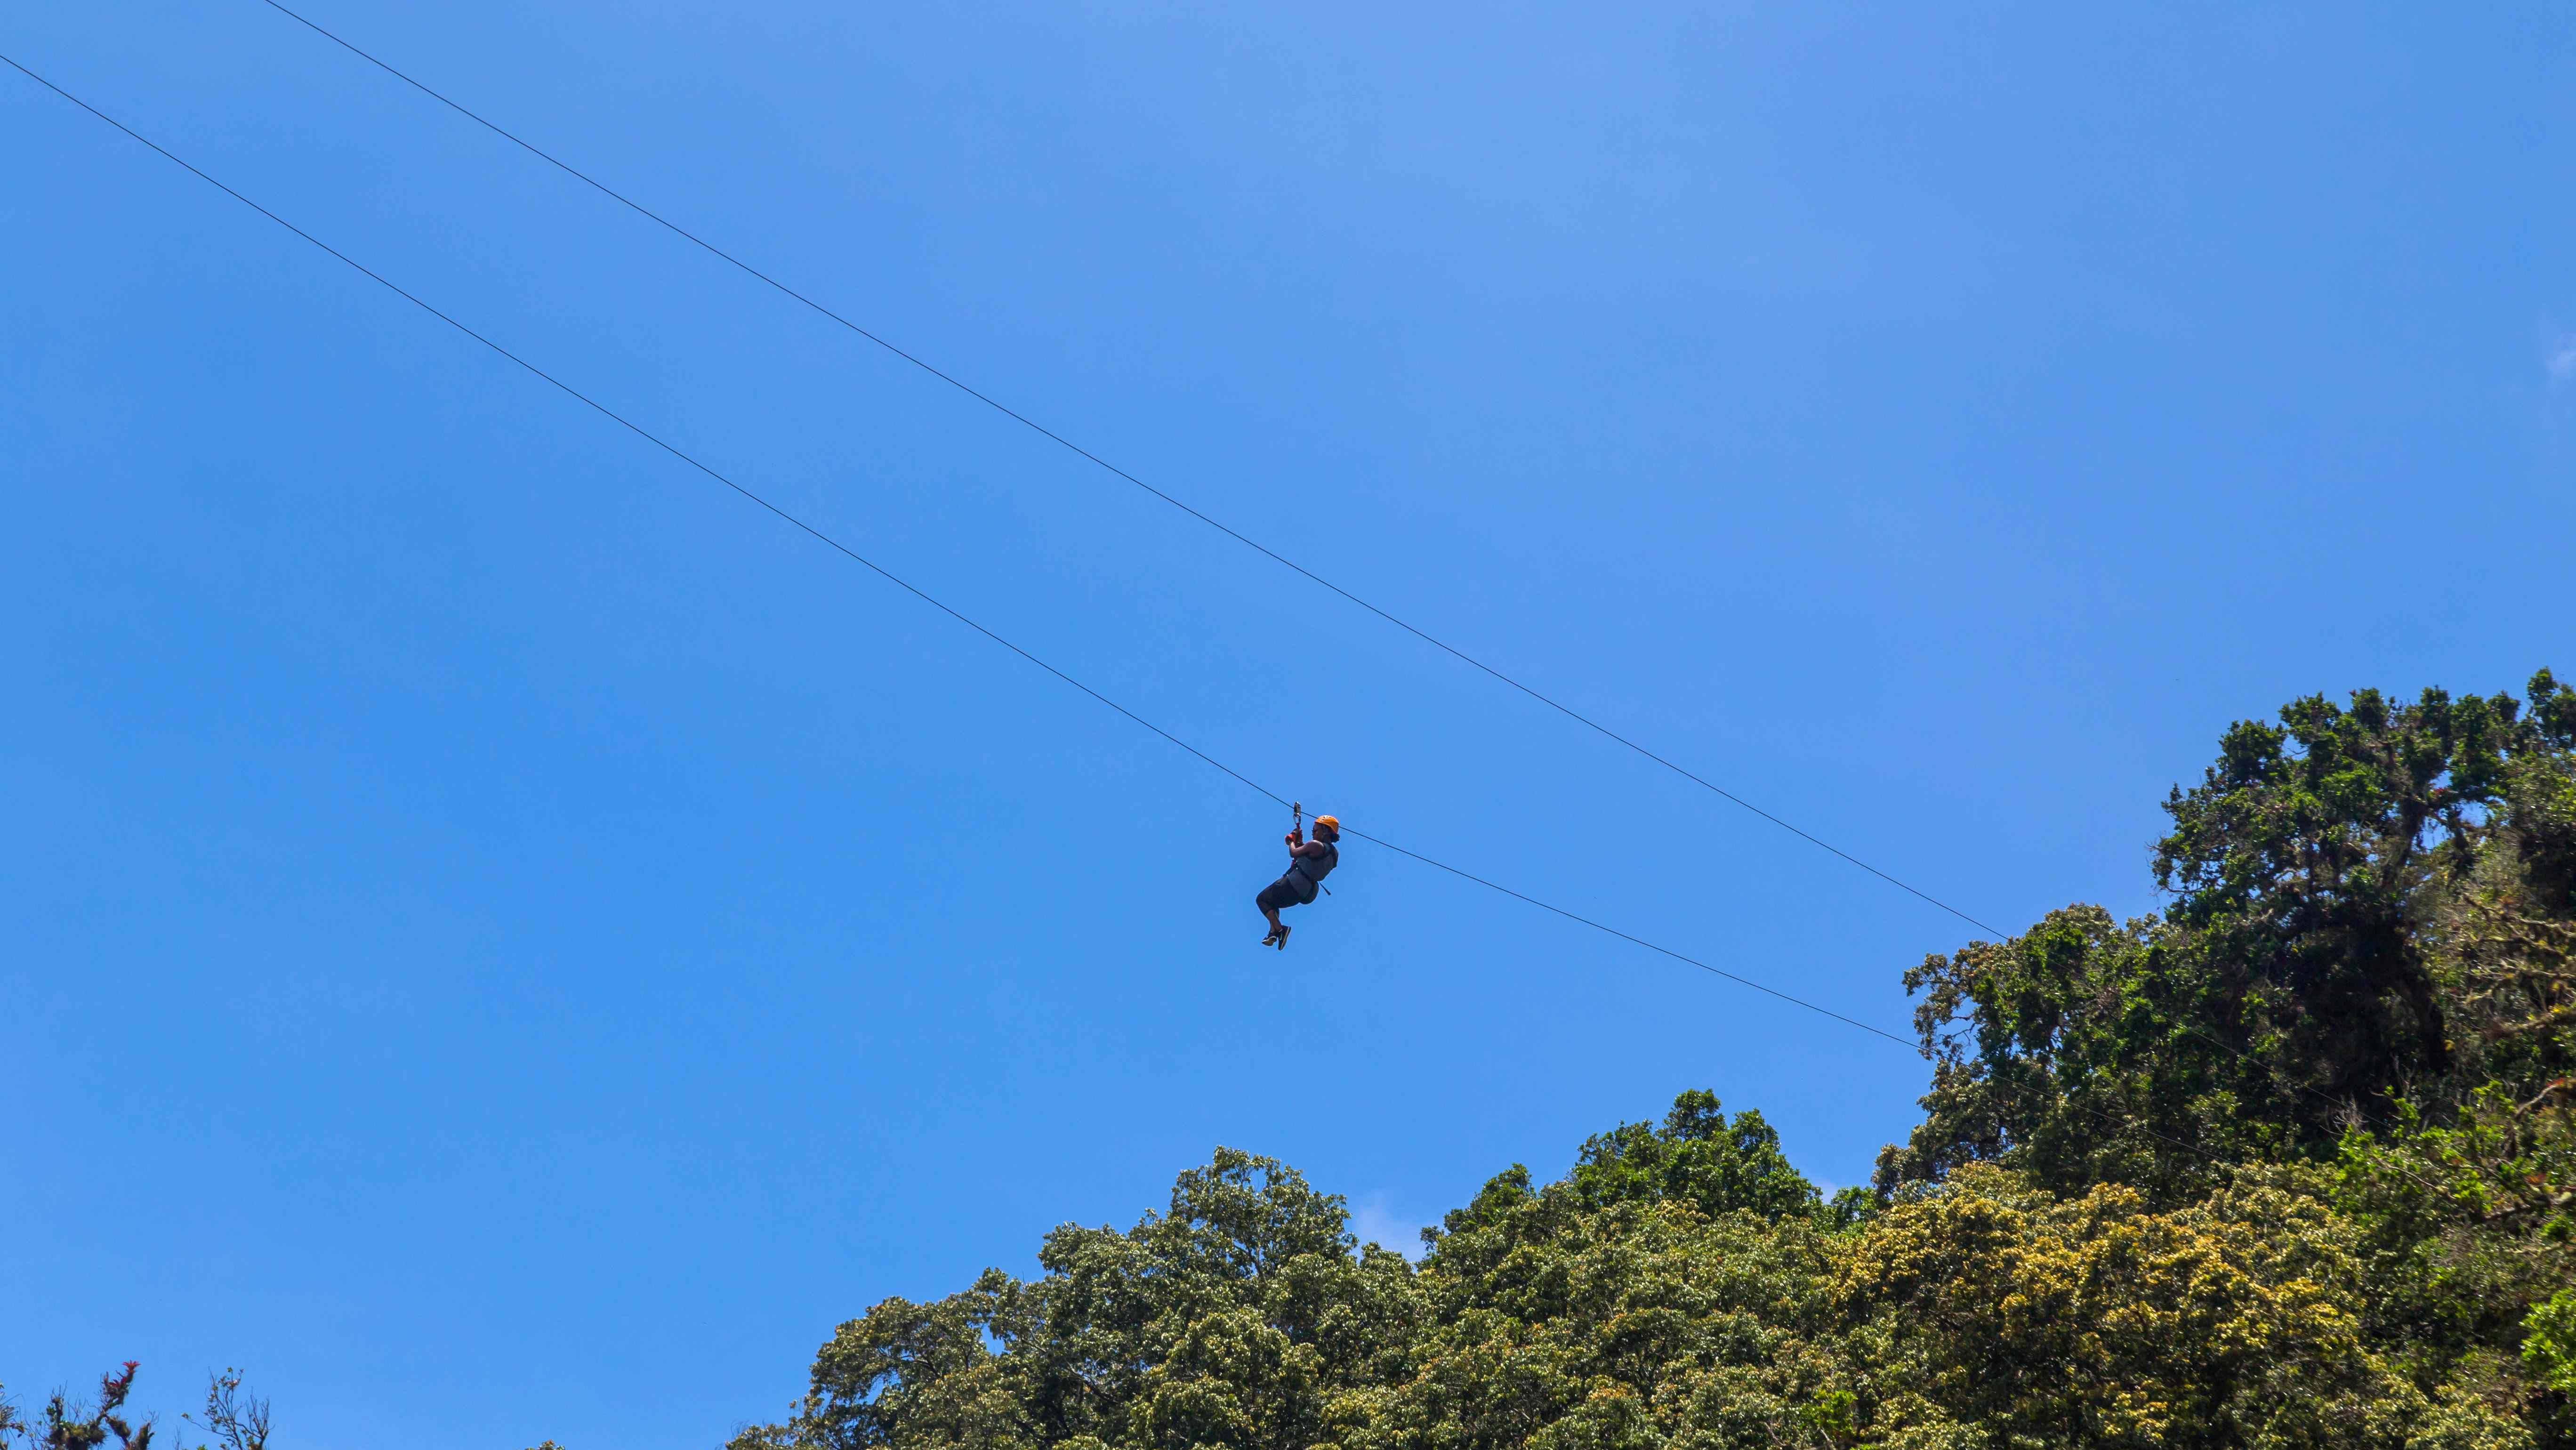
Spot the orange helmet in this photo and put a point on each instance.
(1332, 823)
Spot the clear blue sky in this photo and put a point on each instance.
(508, 941)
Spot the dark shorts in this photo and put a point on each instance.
(1292, 889)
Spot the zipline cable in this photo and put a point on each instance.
(881, 572)
(747, 269)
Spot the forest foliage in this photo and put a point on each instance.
(2289, 1163)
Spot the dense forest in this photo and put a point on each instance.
(2286, 1164)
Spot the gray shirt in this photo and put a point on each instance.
(1315, 860)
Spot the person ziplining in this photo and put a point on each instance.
(1309, 862)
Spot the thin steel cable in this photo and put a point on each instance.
(747, 269)
(880, 571)
(1623, 936)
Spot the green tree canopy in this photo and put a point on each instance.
(2288, 1164)
(2341, 884)
(1699, 1157)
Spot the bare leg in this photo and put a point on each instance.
(1271, 914)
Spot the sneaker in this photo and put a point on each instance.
(1272, 938)
(1282, 942)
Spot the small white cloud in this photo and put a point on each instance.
(1372, 1222)
(2560, 360)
